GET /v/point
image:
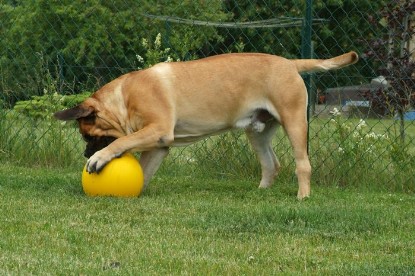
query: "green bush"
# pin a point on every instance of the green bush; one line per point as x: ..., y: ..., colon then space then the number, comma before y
x: 42, y: 107
x: 361, y: 153
x: 89, y: 43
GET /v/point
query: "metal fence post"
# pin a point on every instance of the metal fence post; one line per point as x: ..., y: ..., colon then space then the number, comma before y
x: 307, y: 52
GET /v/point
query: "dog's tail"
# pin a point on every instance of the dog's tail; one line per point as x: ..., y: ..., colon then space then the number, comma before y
x: 313, y: 65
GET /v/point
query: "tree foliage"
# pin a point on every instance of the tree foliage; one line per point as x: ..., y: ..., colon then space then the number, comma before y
x: 284, y: 40
x: 87, y: 43
x: 398, y: 65
x: 347, y: 28
x: 84, y: 44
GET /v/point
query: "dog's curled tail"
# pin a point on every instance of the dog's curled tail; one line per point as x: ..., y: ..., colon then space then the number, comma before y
x: 313, y: 65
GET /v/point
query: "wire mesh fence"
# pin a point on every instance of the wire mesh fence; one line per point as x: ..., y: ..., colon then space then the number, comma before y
x: 53, y: 54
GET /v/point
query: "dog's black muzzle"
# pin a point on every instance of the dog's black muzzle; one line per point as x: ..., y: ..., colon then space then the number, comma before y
x: 96, y: 143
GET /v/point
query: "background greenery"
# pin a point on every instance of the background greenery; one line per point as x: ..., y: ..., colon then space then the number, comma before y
x: 84, y: 44
x: 202, y: 213
x: 71, y: 48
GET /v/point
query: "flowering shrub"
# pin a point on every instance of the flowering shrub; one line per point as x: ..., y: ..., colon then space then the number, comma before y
x: 155, y: 53
x: 356, y: 141
x: 353, y: 152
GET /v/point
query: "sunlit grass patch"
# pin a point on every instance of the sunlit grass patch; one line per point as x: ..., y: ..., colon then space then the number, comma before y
x: 183, y: 225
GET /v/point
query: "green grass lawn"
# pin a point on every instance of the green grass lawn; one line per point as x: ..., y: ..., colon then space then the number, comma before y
x: 193, y: 226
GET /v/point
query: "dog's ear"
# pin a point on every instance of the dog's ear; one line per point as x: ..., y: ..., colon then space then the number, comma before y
x: 74, y: 113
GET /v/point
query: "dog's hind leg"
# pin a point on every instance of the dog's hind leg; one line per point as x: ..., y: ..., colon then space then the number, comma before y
x: 150, y: 161
x: 261, y: 143
x: 297, y: 133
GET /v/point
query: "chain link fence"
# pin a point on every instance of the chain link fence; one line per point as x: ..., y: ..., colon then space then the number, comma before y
x: 53, y: 54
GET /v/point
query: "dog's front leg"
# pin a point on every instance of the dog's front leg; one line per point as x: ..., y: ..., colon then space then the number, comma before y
x: 150, y: 162
x: 149, y: 138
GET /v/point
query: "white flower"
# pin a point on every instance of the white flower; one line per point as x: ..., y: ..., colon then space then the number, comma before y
x: 157, y: 42
x: 372, y: 135
x: 335, y: 112
x: 190, y: 160
x: 169, y: 59
x: 144, y: 42
x: 140, y: 58
x: 361, y: 124
x: 346, y: 127
x: 340, y: 149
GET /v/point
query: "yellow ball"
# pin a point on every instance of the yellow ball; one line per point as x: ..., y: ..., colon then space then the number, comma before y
x: 122, y: 177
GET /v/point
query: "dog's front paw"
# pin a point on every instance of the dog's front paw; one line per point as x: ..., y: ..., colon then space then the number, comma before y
x: 97, y: 162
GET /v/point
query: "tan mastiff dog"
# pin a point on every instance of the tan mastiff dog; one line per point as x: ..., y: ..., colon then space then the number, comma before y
x: 178, y: 103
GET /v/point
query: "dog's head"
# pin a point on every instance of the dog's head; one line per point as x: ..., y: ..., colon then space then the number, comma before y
x: 97, y: 127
